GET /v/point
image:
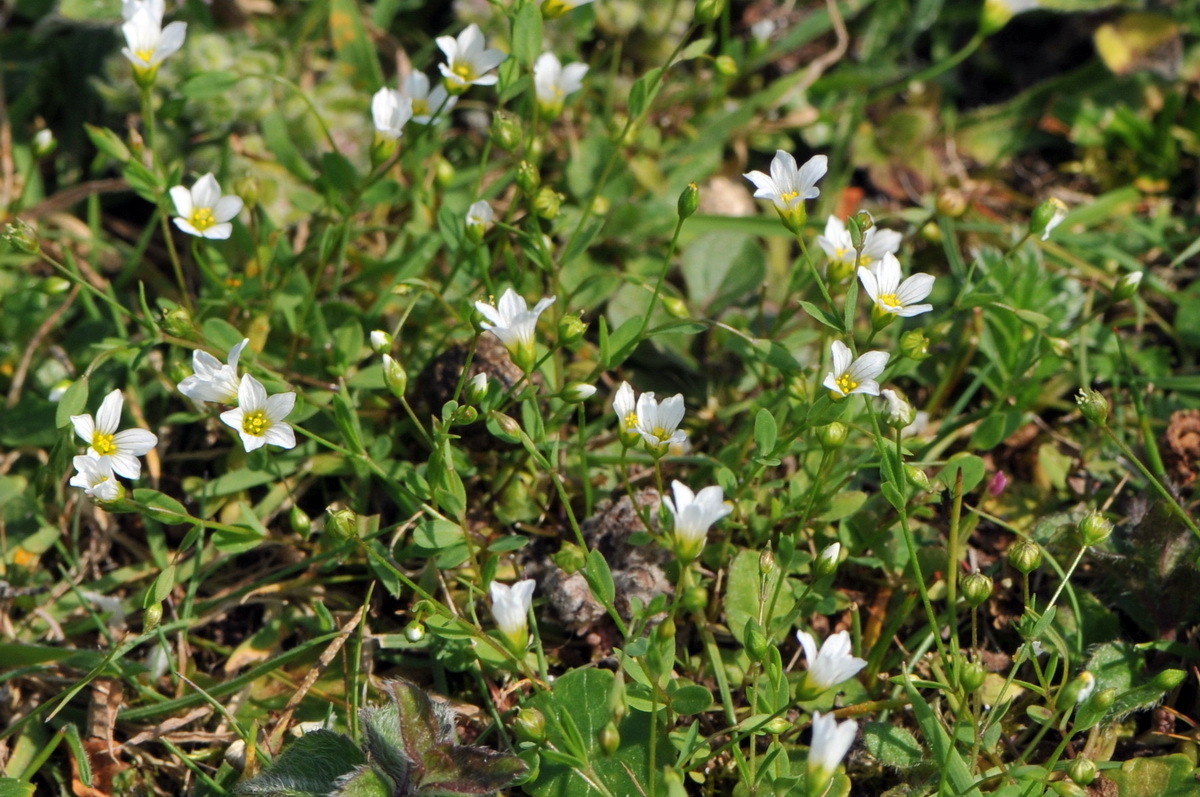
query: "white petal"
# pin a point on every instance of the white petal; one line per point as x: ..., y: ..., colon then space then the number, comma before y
x: 810, y: 172
x: 186, y: 226
x: 252, y: 396
x: 126, y: 465
x: 915, y: 288
x: 449, y: 46
x: 108, y: 417
x: 280, y: 434
x: 869, y: 284
x: 227, y: 207
x: 218, y: 232
x: 85, y: 427
x: 869, y: 365
x: 206, y: 192
x: 182, y: 198
x: 280, y: 405
x: 764, y: 185
x: 235, y: 353
x: 841, y: 357
x: 135, y: 441
x: 171, y: 40
x: 252, y: 442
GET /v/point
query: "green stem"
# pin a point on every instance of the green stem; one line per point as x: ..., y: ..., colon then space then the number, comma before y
x: 1158, y: 486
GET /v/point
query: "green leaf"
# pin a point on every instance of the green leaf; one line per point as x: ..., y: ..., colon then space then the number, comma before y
x: 894, y: 496
x: 365, y: 782
x: 972, y: 468
x: 73, y: 402
x: 892, y: 745
x: 765, y: 432
x: 691, y: 699
x: 162, y: 508
x: 208, y: 85
x: 310, y: 766
x: 400, y: 732
x: 743, y: 595
x: 994, y: 430
x: 277, y: 133
x: 11, y: 787
x: 143, y: 181
x: 643, y: 91
x: 347, y: 422
x: 1162, y: 776
x: 695, y: 49
x: 599, y: 577
x: 353, y: 46
x: 453, y: 770
x: 527, y: 34
x: 623, y: 341
x: 108, y: 142
x: 954, y: 769
x: 338, y: 173
x: 160, y: 590
x: 844, y: 504
x: 824, y: 316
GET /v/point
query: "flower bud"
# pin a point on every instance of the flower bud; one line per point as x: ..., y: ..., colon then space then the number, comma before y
x: 464, y: 415
x: 708, y: 11
x: 505, y: 131
x: 856, y: 233
x: 44, y: 143
x: 777, y: 726
x: 1082, y: 771
x: 897, y: 412
x: 827, y: 562
x: 931, y: 232
x: 914, y: 345
x: 610, y: 738
x: 508, y: 425
x: 383, y: 149
x: 675, y: 306
x: 726, y: 65
x: 1126, y: 288
x: 1025, y: 556
x: 343, y: 524
x: 1077, y: 691
x: 1067, y: 788
x: 1094, y: 529
x: 1061, y: 347
x: 666, y: 630
x: 994, y: 16
x: 530, y: 725
x: 766, y: 561
x: 381, y: 341
x: 20, y: 236
x: 477, y: 388
x: 414, y: 632
x: 833, y: 435
x: 570, y: 558
x: 694, y: 599
x: 601, y: 206
x: 176, y: 321
x: 394, y: 376
x: 1046, y: 217
x: 570, y: 329
x: 299, y: 520
x: 152, y: 617
x: 547, y: 203
x: 951, y: 202
x: 689, y: 200
x: 443, y: 172
x: 576, y: 392
x: 528, y: 177
x: 1093, y: 406
x: 757, y: 644
x: 971, y: 676
x: 1105, y: 698
x: 976, y: 588
x: 918, y: 477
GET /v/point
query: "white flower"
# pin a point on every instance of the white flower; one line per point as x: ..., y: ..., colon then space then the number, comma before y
x: 514, y: 323
x: 576, y: 392
x: 467, y: 62
x: 203, y: 211
x: 788, y: 186
x: 882, y: 283
x: 854, y: 377
x: 381, y: 341
x: 426, y: 102
x: 1060, y: 213
x: 1088, y: 685
x: 694, y: 513
x: 96, y: 477
x: 556, y: 8
x: 658, y: 423
x: 148, y: 43
x: 510, y: 607
x: 211, y: 379
x: 119, y: 450
x: 831, y: 741
x: 477, y: 388
x: 827, y: 561
x: 390, y: 110
x: 258, y: 418
x: 896, y: 411
x: 828, y: 667
x: 480, y: 214
x: 840, y: 249
x: 553, y: 82
x: 130, y: 7
x: 625, y: 407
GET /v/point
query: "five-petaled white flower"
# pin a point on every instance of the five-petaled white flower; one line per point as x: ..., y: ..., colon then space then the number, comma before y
x: 427, y: 102
x: 467, y: 62
x: 96, y: 477
x: 858, y: 376
x: 625, y: 407
x: 831, y: 741
x: 213, y: 380
x: 148, y: 42
x: 120, y: 450
x: 891, y: 296
x: 510, y: 607
x: 556, y: 8
x: 694, y: 513
x: 828, y: 667
x: 788, y: 186
x: 258, y: 417
x: 480, y: 216
x: 390, y: 110
x: 840, y: 249
x: 658, y: 422
x: 553, y: 82
x: 514, y: 323
x: 203, y: 211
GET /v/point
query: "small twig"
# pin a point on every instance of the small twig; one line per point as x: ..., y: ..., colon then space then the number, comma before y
x: 18, y: 380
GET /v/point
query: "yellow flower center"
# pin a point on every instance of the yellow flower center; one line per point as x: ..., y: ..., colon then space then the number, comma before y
x: 660, y: 433
x: 555, y: 8
x: 630, y: 420
x: 202, y: 219
x: 842, y: 252
x: 144, y: 55
x: 789, y: 196
x: 846, y: 383
x: 464, y: 71
x: 421, y: 108
x: 256, y: 423
x: 103, y: 443
x: 865, y: 260
x: 888, y: 301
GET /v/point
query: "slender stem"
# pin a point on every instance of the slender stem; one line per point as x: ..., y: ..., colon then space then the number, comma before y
x: 1158, y: 486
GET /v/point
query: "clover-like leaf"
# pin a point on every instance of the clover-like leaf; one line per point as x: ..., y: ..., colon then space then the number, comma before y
x: 453, y: 770
x: 311, y: 765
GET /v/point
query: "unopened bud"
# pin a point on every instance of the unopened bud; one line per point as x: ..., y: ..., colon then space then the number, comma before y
x: 343, y: 524
x: 247, y: 187
x: 1068, y: 788
x: 570, y: 329
x: 666, y: 630
x: 971, y: 676
x: 726, y: 65
x: 152, y: 617
x: 443, y: 172
x: 833, y: 435
x: 299, y: 520
x: 508, y: 426
x: 1025, y: 556
x: 1061, y: 347
x: 44, y: 143
x: 976, y: 588
x: 931, y: 232
x: 951, y: 202
x: 477, y: 388
x: 394, y: 376
x: 610, y: 738
x: 757, y: 644
x: 689, y: 200
x: 1077, y: 691
x: 414, y: 632
x: 918, y: 477
x: 530, y: 725
x: 777, y: 726
x: 694, y: 599
x: 1046, y: 217
x: 528, y: 177
x: 505, y: 131
x: 464, y: 415
x: 381, y: 341
x: 1126, y: 288
x: 576, y: 392
x: 914, y: 345
x: 708, y: 11
x: 766, y: 561
x: 1093, y: 406
x: 20, y: 236
x: 1094, y: 529
x: 570, y: 558
x: 856, y: 233
x: 827, y: 562
x: 548, y: 203
x: 675, y: 306
x: 897, y: 412
x: 1082, y: 771
x: 176, y: 321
